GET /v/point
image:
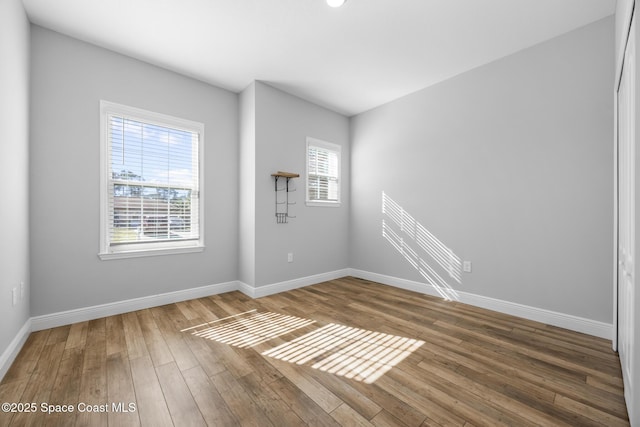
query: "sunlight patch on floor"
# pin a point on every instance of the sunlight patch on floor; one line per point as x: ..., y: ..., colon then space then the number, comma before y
x: 249, y: 328
x: 353, y: 353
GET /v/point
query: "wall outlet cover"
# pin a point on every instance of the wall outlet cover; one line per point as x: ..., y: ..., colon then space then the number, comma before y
x: 466, y: 266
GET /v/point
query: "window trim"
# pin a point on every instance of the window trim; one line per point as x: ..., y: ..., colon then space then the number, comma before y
x: 108, y: 252
x: 314, y: 142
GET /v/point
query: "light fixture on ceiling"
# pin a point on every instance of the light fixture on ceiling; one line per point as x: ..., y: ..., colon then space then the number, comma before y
x: 336, y: 3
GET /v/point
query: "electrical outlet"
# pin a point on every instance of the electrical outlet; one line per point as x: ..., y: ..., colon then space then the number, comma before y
x: 466, y: 266
x: 14, y: 294
x: 290, y: 257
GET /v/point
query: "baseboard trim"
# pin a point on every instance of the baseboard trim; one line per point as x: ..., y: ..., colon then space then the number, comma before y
x: 95, y: 312
x: 248, y: 290
x: 574, y: 323
x: 566, y: 321
x: 9, y: 355
x: 554, y: 318
x: 274, y: 288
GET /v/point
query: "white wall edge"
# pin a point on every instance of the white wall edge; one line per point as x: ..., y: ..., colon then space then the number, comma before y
x: 562, y: 320
x: 274, y: 288
x: 9, y: 355
x: 95, y: 312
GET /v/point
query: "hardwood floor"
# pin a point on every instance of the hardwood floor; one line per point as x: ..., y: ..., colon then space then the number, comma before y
x: 345, y: 352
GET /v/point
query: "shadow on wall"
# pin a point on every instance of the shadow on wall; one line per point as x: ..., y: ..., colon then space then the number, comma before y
x: 404, y: 233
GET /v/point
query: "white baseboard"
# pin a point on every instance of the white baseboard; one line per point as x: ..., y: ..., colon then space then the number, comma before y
x: 95, y: 312
x: 579, y: 324
x: 9, y: 355
x: 554, y: 318
x: 574, y: 323
x: 275, y: 288
x: 248, y: 290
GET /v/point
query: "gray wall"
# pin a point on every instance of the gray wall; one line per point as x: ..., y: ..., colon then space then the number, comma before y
x: 508, y: 165
x: 69, y: 78
x: 318, y: 236
x: 14, y: 168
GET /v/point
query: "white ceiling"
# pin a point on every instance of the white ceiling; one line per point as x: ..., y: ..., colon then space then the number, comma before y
x: 349, y: 59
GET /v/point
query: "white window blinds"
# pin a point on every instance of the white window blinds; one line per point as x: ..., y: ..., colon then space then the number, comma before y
x: 152, y: 183
x: 323, y: 172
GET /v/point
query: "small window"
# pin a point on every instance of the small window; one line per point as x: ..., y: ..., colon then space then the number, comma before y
x: 323, y: 173
x: 151, y: 200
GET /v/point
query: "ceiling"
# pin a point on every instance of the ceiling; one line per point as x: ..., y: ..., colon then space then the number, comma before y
x: 349, y: 59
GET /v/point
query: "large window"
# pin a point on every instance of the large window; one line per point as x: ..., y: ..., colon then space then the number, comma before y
x: 323, y: 173
x: 151, y: 183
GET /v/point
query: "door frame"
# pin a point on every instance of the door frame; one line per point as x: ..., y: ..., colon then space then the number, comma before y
x: 631, y: 378
x: 616, y: 195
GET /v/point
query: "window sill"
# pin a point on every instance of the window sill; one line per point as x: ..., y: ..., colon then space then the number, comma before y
x: 324, y: 204
x: 106, y: 256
